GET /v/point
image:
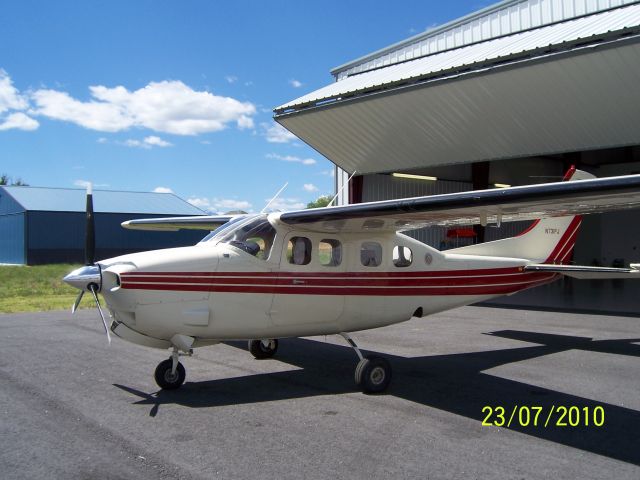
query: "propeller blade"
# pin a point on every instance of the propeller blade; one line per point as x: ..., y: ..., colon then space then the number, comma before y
x: 74, y: 307
x: 104, y: 322
x: 90, y: 236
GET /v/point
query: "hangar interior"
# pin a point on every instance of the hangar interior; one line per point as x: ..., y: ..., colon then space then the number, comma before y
x: 513, y: 94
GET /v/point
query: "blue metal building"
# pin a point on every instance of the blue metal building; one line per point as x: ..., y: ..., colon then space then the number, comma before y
x: 47, y: 225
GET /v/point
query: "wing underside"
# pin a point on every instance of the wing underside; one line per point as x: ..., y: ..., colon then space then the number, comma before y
x: 476, y: 207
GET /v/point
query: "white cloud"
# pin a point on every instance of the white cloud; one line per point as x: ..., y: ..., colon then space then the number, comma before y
x: 162, y: 190
x: 167, y: 106
x: 20, y: 121
x: 329, y: 173
x: 219, y: 205
x: 10, y: 98
x: 276, y: 133
x: 10, y: 101
x: 291, y: 158
x: 286, y: 204
x: 102, y: 140
x: 148, y: 142
x: 310, y: 187
x: 295, y: 83
x: 156, y: 141
x: 231, y: 78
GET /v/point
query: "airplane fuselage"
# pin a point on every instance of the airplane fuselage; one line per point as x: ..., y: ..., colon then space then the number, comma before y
x: 337, y: 283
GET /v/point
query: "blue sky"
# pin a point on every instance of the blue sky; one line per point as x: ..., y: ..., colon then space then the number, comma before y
x: 141, y: 95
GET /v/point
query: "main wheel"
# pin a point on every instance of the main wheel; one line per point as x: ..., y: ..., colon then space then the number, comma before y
x: 373, y: 374
x: 261, y: 349
x: 166, y: 379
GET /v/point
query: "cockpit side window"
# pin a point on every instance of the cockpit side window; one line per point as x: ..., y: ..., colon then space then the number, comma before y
x: 255, y: 238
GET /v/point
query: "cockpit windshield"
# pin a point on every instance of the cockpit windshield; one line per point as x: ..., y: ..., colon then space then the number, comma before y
x: 254, y: 236
x: 222, y: 228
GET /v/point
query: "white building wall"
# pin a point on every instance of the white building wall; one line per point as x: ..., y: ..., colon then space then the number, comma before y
x: 501, y: 19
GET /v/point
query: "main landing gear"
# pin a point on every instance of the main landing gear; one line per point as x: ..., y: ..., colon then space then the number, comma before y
x: 170, y: 373
x: 262, y: 349
x: 373, y: 373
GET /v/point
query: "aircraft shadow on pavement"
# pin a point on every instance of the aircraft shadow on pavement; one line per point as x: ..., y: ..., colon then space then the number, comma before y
x: 455, y: 383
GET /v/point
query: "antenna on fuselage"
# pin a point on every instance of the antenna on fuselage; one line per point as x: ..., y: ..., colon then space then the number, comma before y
x: 274, y: 197
x: 341, y: 188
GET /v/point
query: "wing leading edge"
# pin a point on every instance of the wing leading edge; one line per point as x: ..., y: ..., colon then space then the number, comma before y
x: 173, y: 224
x: 528, y: 202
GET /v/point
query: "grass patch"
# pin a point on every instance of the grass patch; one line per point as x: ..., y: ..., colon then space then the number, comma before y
x: 37, y: 288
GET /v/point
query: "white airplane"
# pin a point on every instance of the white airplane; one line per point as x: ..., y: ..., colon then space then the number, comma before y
x: 337, y: 270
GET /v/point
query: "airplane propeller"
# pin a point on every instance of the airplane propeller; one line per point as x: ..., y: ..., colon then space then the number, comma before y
x: 89, y: 277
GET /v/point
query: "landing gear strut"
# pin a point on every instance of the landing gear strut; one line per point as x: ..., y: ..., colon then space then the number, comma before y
x: 373, y: 373
x: 170, y: 373
x: 262, y: 349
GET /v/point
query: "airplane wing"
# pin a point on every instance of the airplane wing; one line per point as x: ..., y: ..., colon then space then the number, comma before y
x: 475, y: 207
x: 588, y: 273
x: 173, y: 224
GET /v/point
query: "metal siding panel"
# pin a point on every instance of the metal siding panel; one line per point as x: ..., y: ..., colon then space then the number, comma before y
x: 513, y: 17
x: 59, y: 237
x: 12, y: 245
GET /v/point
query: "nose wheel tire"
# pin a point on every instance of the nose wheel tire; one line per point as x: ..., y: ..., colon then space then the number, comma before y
x: 262, y: 349
x: 373, y: 374
x: 166, y: 379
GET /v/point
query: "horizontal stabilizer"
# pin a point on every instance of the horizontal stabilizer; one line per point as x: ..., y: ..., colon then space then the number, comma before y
x: 585, y: 272
x: 173, y: 224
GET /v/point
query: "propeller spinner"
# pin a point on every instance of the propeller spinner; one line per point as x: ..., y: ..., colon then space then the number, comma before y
x: 89, y: 277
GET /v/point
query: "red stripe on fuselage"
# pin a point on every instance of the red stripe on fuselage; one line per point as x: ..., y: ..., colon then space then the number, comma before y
x: 362, y: 291
x: 329, y: 274
x: 343, y: 282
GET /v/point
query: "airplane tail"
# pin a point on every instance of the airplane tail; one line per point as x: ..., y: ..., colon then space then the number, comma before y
x: 547, y: 241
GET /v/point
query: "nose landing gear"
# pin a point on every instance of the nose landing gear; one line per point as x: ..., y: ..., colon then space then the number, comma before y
x: 170, y: 373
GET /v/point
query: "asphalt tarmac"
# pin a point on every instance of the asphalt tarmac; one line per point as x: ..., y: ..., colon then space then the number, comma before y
x: 74, y: 407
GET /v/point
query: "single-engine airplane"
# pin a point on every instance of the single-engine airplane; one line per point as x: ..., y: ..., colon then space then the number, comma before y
x: 337, y: 270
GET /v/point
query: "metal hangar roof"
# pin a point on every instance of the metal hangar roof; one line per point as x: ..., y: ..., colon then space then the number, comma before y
x: 105, y: 201
x: 572, y: 85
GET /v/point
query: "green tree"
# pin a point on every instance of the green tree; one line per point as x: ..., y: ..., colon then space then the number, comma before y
x: 6, y: 180
x: 322, y: 201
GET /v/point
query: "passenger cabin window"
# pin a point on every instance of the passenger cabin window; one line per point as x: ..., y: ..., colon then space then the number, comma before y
x: 371, y: 254
x: 299, y: 251
x: 330, y: 252
x: 402, y: 256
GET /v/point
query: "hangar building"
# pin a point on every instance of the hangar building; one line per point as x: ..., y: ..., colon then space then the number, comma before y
x: 512, y: 94
x: 47, y: 225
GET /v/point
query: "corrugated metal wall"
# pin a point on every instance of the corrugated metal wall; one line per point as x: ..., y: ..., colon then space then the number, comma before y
x: 56, y: 237
x: 12, y: 238
x: 492, y: 22
x: 11, y: 230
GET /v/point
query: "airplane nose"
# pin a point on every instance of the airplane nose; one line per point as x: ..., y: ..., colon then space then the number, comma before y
x: 85, y: 277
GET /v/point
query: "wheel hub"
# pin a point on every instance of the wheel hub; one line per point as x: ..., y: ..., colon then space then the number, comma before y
x: 377, y: 375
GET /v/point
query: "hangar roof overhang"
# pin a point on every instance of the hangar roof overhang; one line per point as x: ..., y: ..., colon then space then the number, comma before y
x: 570, y: 86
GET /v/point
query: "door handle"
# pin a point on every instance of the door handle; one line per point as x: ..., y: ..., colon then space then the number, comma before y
x: 298, y: 282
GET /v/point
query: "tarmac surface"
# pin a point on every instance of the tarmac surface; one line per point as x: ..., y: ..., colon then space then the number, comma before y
x: 74, y: 407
